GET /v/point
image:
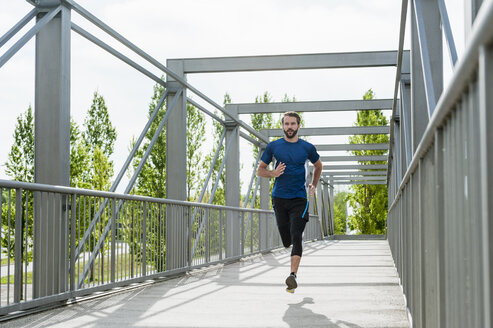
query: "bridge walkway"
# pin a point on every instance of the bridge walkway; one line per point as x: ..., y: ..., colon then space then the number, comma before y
x: 342, y: 283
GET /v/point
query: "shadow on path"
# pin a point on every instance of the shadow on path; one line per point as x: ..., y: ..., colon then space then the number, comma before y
x: 299, y: 316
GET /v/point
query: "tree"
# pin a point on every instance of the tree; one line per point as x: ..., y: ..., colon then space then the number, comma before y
x: 80, y: 161
x: 340, y: 213
x: 152, y: 179
x: 100, y: 136
x: 369, y: 201
x: 99, y: 130
x: 195, y: 139
x: 20, y: 167
x: 20, y: 162
x: 218, y: 129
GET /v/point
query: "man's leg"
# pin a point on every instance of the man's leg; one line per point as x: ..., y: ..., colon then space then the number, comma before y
x: 298, y: 215
x: 295, y: 263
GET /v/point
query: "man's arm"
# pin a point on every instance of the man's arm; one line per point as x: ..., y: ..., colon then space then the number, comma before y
x: 263, y: 172
x: 316, y: 176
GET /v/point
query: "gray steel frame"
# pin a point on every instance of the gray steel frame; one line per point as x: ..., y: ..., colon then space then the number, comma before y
x: 439, y: 220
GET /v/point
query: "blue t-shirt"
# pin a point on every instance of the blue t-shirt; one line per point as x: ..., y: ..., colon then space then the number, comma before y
x: 291, y: 183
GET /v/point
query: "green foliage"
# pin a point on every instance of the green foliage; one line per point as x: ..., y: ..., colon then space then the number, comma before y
x: 152, y: 179
x: 80, y: 161
x: 99, y: 132
x: 195, y: 140
x: 369, y: 201
x: 99, y: 136
x: 20, y: 162
x: 218, y: 128
x: 340, y: 213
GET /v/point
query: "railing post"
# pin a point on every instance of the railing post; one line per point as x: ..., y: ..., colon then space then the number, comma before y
x: 144, y: 240
x: 265, y: 205
x: 18, y: 247
x: 113, y: 239
x: 73, y: 231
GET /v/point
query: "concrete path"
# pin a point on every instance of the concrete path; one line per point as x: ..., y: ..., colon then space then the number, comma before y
x: 350, y: 283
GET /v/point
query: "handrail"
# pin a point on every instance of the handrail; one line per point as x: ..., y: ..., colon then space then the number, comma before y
x: 107, y: 194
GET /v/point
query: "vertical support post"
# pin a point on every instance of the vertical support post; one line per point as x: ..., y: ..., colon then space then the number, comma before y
x: 113, y: 239
x: 232, y: 187
x: 18, y: 246
x: 418, y: 110
x: 265, y: 205
x: 73, y: 232
x: 320, y: 210
x: 176, y: 170
x: 331, y: 181
x: 486, y: 163
x: 52, y: 144
x: 329, y: 227
x: 144, y: 240
x: 406, y: 119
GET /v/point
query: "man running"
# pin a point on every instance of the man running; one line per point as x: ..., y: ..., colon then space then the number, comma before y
x: 289, y: 198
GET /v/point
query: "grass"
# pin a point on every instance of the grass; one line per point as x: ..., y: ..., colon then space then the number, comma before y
x: 6, y: 261
x: 122, y: 270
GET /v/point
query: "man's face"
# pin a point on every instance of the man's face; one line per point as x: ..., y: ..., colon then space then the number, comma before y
x: 290, y: 127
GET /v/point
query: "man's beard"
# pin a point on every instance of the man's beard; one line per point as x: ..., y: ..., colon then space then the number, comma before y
x: 290, y: 133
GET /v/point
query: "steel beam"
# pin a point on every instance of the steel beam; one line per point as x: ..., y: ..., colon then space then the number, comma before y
x: 335, y: 147
x: 418, y: 110
x: 289, y: 62
x: 330, y: 131
x: 360, y: 182
x: 264, y: 204
x: 352, y: 158
x: 312, y: 106
x: 52, y: 147
x: 354, y: 173
x: 176, y: 171
x: 356, y: 167
x: 363, y: 178
x: 232, y: 187
x: 17, y: 27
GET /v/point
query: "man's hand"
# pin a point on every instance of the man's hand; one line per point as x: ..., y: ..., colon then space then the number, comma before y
x: 312, y: 189
x: 263, y: 172
x: 279, y: 170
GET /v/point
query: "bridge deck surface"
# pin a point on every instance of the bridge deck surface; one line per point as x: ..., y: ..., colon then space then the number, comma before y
x: 347, y: 283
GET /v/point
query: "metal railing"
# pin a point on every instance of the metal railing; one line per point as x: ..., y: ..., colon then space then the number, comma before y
x: 439, y: 220
x: 133, y: 250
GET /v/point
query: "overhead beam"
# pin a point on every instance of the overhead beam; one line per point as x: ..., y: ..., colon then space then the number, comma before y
x: 360, y: 183
x: 376, y: 178
x: 289, y: 62
x: 334, y: 147
x: 355, y: 167
x: 330, y: 131
x: 353, y: 158
x: 354, y: 173
x: 312, y: 106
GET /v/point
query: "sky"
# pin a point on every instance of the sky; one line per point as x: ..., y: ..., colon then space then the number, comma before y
x: 214, y: 28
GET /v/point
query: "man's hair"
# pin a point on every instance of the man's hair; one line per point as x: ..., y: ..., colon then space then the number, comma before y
x: 292, y: 114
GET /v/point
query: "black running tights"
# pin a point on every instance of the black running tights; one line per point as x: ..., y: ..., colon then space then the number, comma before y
x: 292, y: 216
